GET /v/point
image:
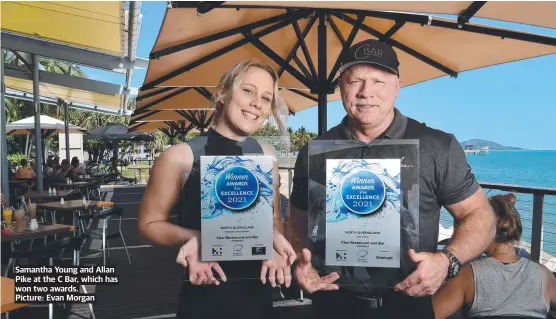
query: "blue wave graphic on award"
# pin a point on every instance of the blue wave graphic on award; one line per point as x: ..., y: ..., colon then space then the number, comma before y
x: 360, y: 188
x: 236, y: 207
x: 363, y: 212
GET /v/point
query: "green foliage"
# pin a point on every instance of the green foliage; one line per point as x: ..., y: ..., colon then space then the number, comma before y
x: 267, y: 130
x: 14, y: 159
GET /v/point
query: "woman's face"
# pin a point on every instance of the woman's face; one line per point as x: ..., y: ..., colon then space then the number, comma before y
x: 251, y: 103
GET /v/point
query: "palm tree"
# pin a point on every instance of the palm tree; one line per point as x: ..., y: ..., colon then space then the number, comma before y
x: 60, y: 67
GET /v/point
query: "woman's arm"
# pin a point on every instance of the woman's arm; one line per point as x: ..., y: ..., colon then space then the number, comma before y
x: 454, y: 294
x: 550, y: 284
x: 168, y: 175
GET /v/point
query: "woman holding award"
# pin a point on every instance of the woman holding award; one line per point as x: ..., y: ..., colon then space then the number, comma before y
x: 220, y: 273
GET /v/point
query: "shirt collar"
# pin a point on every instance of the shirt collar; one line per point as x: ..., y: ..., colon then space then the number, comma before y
x: 396, y: 129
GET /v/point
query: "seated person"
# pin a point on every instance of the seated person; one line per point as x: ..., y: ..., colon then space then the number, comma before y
x: 503, y: 283
x: 25, y: 171
x: 76, y: 168
x: 60, y: 172
x: 48, y: 167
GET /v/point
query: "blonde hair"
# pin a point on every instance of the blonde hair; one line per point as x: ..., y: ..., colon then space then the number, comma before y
x: 231, y: 80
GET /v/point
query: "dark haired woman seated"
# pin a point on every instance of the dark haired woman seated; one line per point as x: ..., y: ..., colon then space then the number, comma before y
x: 502, y: 284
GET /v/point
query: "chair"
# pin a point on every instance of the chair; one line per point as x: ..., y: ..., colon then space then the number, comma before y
x: 49, y: 251
x: 74, y: 243
x: 105, y: 214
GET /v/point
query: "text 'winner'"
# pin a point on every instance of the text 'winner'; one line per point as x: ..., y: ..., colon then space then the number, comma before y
x: 55, y: 284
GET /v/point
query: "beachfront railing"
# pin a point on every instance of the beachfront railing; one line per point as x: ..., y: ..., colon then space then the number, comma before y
x: 536, y: 205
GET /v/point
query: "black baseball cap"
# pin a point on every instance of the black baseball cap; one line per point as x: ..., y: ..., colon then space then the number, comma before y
x: 371, y: 52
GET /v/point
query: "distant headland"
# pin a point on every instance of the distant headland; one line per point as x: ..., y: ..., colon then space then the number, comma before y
x: 479, y: 143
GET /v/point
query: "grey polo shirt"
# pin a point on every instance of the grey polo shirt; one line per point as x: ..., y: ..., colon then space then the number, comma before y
x: 444, y: 177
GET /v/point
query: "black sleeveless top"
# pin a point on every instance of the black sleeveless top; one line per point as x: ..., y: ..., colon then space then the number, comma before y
x: 188, y: 207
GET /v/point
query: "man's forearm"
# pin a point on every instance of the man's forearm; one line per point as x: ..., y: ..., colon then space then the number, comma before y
x: 472, y: 235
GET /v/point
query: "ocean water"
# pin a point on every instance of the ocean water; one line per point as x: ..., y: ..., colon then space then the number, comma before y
x: 524, y: 168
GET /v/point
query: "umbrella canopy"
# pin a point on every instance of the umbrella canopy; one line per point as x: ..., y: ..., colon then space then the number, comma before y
x: 48, y: 124
x: 539, y: 13
x: 117, y: 132
x: 304, y: 44
x: 172, y: 129
x: 198, y: 118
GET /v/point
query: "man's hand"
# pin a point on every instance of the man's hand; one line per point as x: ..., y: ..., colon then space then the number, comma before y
x: 277, y: 267
x: 432, y: 270
x: 309, y: 279
x: 200, y: 273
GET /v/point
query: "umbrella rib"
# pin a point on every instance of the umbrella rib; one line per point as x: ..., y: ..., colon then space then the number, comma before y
x: 468, y: 13
x: 293, y: 52
x: 220, y: 35
x: 167, y: 97
x: 189, y: 117
x: 206, y: 6
x: 428, y: 20
x: 304, y: 49
x: 146, y: 115
x: 172, y: 124
x: 204, y: 93
x: 278, y: 60
x: 400, y: 46
x: 162, y: 90
x: 305, y: 95
x: 212, y: 56
x: 534, y: 38
x: 395, y: 28
x: 335, y: 29
x: 346, y: 45
x: 209, y: 120
x: 302, y: 67
x: 136, y: 127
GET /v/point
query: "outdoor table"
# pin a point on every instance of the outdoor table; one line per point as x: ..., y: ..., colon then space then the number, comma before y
x: 42, y: 231
x: 73, y: 206
x: 44, y: 195
x: 8, y: 296
x: 76, y: 185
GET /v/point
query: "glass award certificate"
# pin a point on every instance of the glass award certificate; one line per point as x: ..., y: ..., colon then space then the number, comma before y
x: 236, y: 208
x: 363, y: 212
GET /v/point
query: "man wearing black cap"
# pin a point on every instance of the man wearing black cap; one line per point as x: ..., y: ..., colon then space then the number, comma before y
x: 369, y: 85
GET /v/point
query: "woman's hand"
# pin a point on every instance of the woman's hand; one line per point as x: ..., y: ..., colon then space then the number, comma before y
x: 277, y: 267
x: 200, y: 273
x: 283, y: 247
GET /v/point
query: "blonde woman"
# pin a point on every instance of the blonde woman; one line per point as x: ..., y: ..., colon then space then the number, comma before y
x: 246, y: 96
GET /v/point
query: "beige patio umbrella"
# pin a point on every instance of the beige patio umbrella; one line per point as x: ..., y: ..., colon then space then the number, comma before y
x: 48, y: 126
x: 303, y: 45
x: 172, y: 123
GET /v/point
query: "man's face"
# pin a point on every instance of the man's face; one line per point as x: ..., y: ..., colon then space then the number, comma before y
x: 368, y: 93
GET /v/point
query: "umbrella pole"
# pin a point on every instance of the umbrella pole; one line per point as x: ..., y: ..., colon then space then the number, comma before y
x: 66, y: 129
x: 3, y: 137
x: 38, y: 143
x: 323, y: 81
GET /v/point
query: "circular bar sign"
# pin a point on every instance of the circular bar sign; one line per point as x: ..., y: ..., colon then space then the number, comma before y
x: 363, y: 192
x: 237, y: 188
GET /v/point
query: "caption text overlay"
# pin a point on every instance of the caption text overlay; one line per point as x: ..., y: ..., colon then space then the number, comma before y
x: 55, y: 284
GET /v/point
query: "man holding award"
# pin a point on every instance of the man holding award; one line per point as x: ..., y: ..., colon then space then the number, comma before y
x: 368, y: 193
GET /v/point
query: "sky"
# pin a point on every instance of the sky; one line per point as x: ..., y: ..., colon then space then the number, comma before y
x: 513, y: 104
